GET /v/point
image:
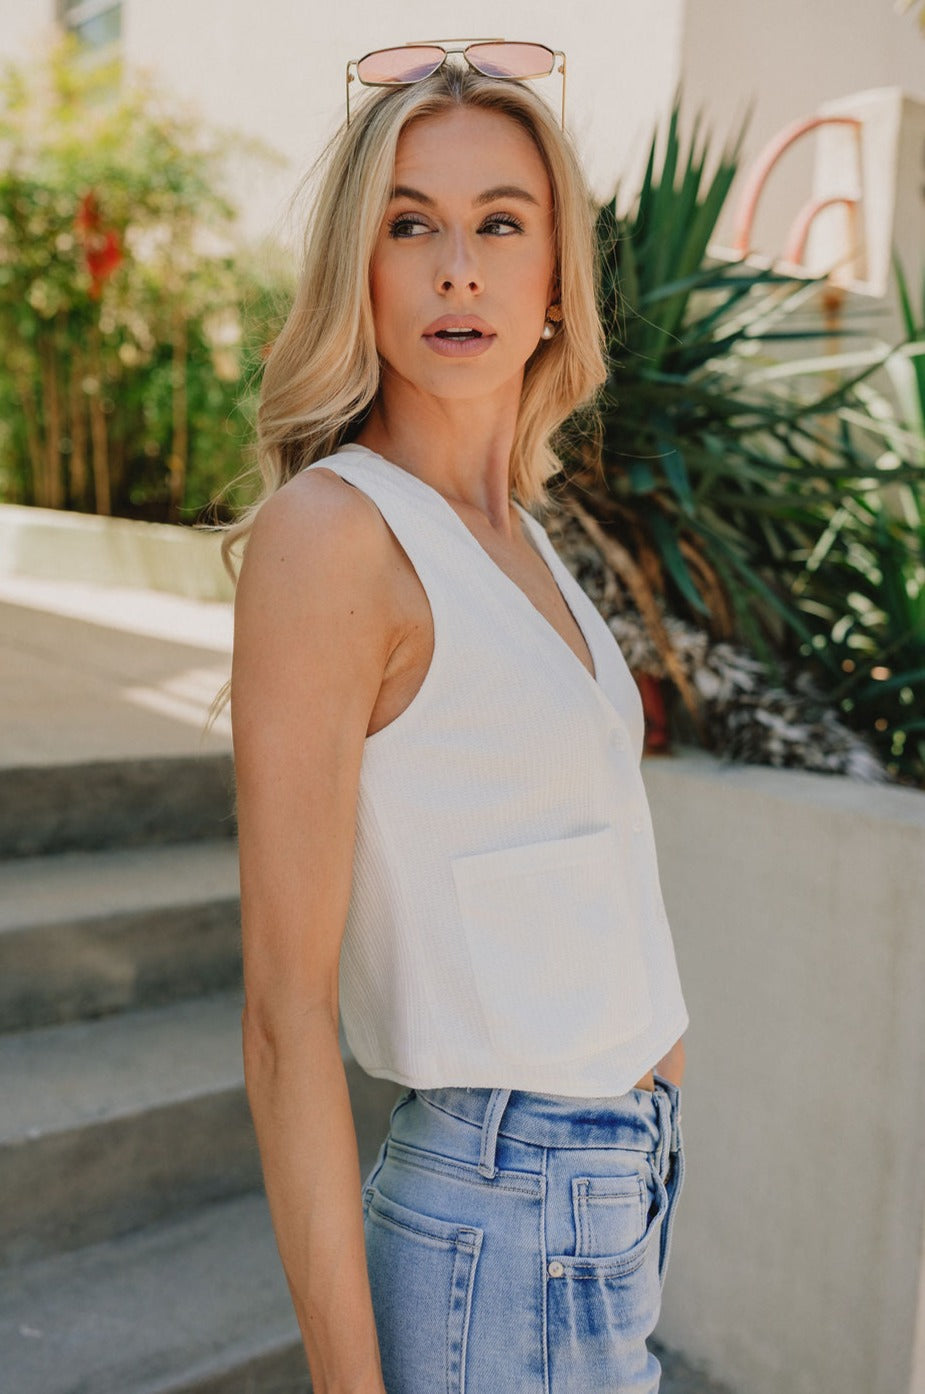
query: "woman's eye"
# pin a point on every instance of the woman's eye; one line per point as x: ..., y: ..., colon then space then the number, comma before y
x: 505, y: 223
x: 413, y: 225
x: 405, y: 225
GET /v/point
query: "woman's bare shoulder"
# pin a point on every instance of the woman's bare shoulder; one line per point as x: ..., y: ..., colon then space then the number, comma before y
x: 316, y: 530
x: 318, y: 503
x: 315, y: 613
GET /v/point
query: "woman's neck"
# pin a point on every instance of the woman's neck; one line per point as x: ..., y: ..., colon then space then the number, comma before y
x: 459, y: 448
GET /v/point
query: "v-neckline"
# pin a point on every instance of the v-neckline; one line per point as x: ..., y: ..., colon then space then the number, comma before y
x: 552, y: 562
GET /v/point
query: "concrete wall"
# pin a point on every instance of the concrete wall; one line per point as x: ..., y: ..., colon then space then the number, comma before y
x: 45, y: 545
x: 796, y: 903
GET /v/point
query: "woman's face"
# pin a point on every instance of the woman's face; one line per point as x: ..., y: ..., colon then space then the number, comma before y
x: 467, y: 243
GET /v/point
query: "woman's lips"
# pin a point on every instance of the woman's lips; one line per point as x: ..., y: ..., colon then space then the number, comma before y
x: 460, y: 347
x: 473, y: 336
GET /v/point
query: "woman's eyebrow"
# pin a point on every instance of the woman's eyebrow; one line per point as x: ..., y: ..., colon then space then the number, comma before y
x: 489, y: 196
x: 506, y: 191
x: 405, y: 191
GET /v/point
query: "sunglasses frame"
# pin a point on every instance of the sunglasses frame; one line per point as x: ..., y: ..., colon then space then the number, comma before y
x: 461, y: 46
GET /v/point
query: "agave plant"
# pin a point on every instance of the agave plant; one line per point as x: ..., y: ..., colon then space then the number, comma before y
x: 869, y: 606
x: 720, y: 465
x: 907, y: 367
x: 866, y: 578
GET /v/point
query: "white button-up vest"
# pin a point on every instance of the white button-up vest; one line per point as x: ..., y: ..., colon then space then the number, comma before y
x: 506, y: 926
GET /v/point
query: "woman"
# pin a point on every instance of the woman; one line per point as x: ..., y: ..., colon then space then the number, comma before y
x: 444, y: 835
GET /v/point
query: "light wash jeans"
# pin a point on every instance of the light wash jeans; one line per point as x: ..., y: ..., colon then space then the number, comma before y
x: 517, y: 1243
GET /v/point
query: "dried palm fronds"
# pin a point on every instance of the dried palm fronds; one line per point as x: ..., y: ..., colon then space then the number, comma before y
x: 736, y: 707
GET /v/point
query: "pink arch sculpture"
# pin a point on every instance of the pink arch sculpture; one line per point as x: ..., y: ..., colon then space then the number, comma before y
x: 748, y: 203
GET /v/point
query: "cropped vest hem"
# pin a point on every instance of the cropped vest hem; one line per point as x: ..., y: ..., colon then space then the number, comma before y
x: 605, y: 1084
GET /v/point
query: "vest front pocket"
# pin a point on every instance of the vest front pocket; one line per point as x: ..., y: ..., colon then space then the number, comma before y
x: 554, y: 935
x: 421, y: 1274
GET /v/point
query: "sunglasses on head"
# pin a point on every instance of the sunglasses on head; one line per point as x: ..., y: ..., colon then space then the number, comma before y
x: 409, y: 63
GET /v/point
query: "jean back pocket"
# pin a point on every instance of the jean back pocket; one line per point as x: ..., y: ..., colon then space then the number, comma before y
x: 421, y: 1274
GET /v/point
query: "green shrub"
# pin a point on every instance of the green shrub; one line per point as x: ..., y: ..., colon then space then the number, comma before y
x: 131, y: 319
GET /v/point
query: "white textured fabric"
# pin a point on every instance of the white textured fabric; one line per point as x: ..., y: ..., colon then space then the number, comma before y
x: 506, y: 926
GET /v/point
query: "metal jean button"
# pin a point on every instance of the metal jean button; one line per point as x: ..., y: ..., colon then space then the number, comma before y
x: 555, y: 1269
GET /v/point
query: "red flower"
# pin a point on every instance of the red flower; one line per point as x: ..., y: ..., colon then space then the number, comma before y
x: 102, y: 248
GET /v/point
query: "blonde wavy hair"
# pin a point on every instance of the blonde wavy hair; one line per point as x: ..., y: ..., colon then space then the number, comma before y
x: 322, y: 372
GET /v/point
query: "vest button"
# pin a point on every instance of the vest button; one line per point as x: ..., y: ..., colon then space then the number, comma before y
x: 555, y: 1269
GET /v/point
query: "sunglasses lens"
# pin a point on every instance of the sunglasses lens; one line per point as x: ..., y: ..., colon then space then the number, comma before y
x: 397, y: 66
x: 511, y: 60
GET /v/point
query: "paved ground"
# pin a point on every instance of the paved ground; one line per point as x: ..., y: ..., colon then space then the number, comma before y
x: 104, y: 674
x: 91, y: 673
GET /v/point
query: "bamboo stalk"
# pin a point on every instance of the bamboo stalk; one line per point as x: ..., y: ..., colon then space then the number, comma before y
x: 180, y: 437
x: 77, y: 413
x: 43, y: 490
x: 51, y: 403
x: 33, y: 427
x: 99, y: 444
x: 117, y: 460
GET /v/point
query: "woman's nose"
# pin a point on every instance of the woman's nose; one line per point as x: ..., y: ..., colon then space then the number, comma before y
x: 458, y: 266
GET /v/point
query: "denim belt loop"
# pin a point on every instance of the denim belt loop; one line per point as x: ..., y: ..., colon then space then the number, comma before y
x: 665, y: 1145
x: 497, y: 1103
x: 676, y: 1126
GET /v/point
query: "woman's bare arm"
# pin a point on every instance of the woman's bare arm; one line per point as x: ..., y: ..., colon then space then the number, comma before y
x: 313, y: 634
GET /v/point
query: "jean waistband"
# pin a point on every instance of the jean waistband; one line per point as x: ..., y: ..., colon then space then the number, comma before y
x: 641, y: 1120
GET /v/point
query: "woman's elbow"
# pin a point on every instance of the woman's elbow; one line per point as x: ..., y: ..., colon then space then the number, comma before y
x: 268, y: 1033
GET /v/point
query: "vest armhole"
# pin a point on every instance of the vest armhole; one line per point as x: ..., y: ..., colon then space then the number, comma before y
x: 388, y: 515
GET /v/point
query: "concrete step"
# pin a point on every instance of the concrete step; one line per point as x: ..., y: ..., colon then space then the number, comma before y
x: 115, y: 803
x: 110, y: 1125
x: 87, y: 933
x: 193, y: 1305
